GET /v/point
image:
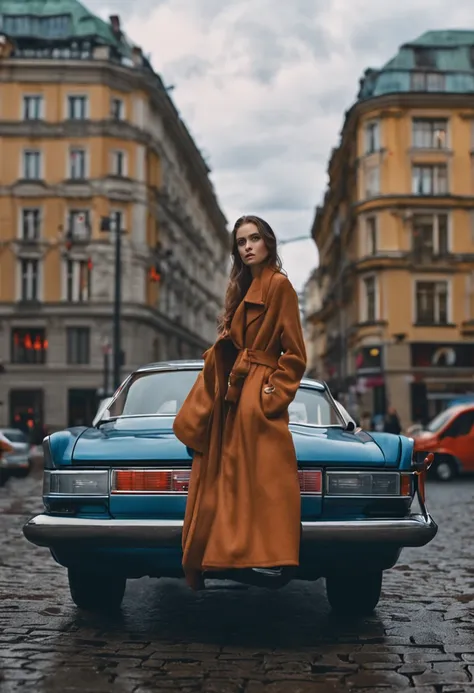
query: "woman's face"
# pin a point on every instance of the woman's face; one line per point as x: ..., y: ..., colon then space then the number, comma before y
x: 251, y: 246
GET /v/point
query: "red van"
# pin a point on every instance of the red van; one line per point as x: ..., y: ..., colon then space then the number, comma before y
x: 450, y: 435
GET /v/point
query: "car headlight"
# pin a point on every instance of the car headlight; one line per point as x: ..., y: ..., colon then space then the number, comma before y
x: 363, y: 484
x: 76, y: 483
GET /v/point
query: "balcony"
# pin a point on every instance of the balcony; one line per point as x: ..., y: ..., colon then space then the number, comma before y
x: 427, y: 258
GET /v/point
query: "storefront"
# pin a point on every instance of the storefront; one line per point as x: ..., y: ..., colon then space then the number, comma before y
x: 441, y: 374
x: 371, y: 386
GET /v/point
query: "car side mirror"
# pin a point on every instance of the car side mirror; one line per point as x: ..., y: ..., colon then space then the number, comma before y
x: 422, y: 465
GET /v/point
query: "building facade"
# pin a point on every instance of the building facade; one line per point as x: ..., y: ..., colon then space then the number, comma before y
x: 394, y: 321
x: 91, y: 145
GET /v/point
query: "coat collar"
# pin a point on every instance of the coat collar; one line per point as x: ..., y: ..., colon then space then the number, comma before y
x: 256, y: 297
x: 258, y: 290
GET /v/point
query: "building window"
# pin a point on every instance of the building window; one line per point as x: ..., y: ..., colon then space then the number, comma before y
x: 77, y: 107
x: 78, y: 280
x: 430, y: 236
x: 77, y: 164
x: 30, y: 224
x: 57, y: 26
x: 371, y: 235
x: 119, y: 163
x: 32, y: 164
x: 26, y: 412
x: 370, y: 297
x: 79, y: 227
x: 78, y: 345
x: 430, y: 179
x: 427, y: 81
x: 32, y: 107
x: 425, y: 57
x: 372, y: 181
x: 29, y: 276
x: 117, y: 109
x: 432, y: 303
x: 29, y: 345
x: 430, y: 133
x: 372, y: 137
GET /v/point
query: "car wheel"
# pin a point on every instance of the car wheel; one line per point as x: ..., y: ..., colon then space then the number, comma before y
x: 354, y: 595
x: 96, y: 592
x: 444, y: 469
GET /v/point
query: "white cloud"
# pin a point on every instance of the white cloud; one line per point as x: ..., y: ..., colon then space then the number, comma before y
x: 263, y: 86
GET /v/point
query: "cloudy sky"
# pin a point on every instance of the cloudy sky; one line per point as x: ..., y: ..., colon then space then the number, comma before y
x: 263, y: 85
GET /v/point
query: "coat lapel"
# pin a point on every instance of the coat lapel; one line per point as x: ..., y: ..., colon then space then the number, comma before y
x: 256, y: 296
x: 252, y: 307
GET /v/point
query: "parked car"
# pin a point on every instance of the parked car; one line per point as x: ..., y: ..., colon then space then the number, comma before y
x: 115, y: 494
x: 450, y: 436
x: 16, y: 460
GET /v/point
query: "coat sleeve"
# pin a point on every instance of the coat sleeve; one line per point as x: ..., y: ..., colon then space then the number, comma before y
x: 192, y: 420
x: 285, y: 380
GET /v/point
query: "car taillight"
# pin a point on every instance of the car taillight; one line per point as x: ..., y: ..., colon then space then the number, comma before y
x: 150, y: 481
x: 406, y: 484
x: 311, y: 481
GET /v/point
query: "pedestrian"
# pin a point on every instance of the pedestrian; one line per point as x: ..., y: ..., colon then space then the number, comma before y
x: 365, y: 421
x: 243, y: 506
x: 392, y: 422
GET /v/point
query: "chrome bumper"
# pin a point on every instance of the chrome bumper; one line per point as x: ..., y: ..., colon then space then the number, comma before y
x: 51, y: 531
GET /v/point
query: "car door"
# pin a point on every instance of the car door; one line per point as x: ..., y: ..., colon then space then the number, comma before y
x: 458, y: 439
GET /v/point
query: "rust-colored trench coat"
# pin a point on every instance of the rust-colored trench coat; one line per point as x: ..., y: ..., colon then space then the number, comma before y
x: 243, y: 507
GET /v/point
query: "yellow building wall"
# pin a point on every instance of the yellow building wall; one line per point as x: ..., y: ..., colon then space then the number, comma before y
x: 55, y: 98
x: 397, y: 158
x: 55, y: 162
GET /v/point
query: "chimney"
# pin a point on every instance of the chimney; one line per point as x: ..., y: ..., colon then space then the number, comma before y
x: 114, y: 20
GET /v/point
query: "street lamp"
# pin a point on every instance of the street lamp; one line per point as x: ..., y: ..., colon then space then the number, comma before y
x: 105, y: 225
x: 284, y: 241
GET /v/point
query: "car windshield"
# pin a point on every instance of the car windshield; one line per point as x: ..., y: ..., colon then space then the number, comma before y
x: 161, y: 393
x: 14, y: 435
x: 442, y: 418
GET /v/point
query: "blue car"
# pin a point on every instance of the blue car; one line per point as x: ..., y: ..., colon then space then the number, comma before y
x: 115, y: 495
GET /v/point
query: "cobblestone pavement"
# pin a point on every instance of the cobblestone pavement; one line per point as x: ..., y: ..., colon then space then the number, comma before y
x: 239, y: 639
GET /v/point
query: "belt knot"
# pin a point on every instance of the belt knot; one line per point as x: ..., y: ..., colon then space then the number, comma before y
x: 241, y: 369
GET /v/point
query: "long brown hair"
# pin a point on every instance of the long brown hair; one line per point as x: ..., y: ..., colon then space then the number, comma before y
x: 240, y: 275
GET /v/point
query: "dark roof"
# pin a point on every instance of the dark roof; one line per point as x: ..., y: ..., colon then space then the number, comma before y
x: 52, y: 20
x: 448, y: 53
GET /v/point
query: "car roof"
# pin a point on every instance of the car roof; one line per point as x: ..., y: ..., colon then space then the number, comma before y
x: 197, y: 364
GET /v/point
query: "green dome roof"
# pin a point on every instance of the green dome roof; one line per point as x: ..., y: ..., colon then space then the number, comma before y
x: 437, y: 61
x: 57, y: 20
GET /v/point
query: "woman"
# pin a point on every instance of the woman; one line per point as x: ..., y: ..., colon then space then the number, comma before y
x: 243, y: 508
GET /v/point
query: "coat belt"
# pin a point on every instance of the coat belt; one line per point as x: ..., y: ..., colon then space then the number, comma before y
x: 241, y: 368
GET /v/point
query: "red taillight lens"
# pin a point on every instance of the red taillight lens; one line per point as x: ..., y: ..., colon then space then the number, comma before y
x: 311, y: 480
x: 150, y: 481
x: 406, y: 484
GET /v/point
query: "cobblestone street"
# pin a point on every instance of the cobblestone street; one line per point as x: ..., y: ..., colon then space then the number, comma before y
x: 239, y: 639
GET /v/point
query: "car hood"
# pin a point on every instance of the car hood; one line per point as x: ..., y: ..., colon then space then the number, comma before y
x: 151, y: 440
x: 425, y: 439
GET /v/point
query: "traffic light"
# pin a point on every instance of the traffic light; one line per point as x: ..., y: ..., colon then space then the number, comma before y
x: 155, y: 273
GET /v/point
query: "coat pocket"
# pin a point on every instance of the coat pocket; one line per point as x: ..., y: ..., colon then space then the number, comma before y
x: 269, y: 400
